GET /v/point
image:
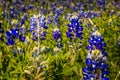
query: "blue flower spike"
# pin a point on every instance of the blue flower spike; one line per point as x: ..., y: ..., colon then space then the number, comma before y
x: 57, y: 37
x: 56, y: 34
x: 38, y: 27
x: 74, y: 28
x: 96, y: 60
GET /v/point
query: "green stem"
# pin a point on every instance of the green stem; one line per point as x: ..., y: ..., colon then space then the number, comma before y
x: 117, y: 75
x: 91, y: 22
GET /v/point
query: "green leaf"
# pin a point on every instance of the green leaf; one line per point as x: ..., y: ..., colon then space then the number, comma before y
x: 67, y: 71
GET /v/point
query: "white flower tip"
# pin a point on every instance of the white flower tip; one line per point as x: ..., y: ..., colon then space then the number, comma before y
x: 56, y: 29
x: 96, y: 33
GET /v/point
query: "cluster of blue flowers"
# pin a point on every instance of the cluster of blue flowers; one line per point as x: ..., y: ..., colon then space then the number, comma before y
x: 57, y: 37
x: 56, y: 34
x: 97, y: 55
x: 57, y: 14
x: 50, y: 19
x: 101, y: 3
x: 88, y: 14
x: 74, y: 28
x: 96, y: 60
x: 12, y: 35
x: 96, y: 42
x: 14, y: 8
x: 38, y: 26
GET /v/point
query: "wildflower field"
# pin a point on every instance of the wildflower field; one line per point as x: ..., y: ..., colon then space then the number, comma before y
x: 59, y: 39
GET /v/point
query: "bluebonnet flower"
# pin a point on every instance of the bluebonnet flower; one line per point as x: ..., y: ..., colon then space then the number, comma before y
x: 35, y: 37
x: 91, y: 7
x: 23, y: 8
x: 57, y: 12
x: 53, y: 6
x: 22, y: 38
x: 57, y: 37
x: 96, y: 60
x: 74, y: 28
x: 33, y: 23
x: 38, y: 27
x: 12, y: 35
x: 96, y: 41
x: 50, y: 19
x: 56, y: 19
x: 101, y: 3
x: 43, y: 35
x: 74, y: 7
x: 88, y: 14
x: 42, y: 22
x: 56, y: 34
x: 10, y: 41
x: 13, y: 12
